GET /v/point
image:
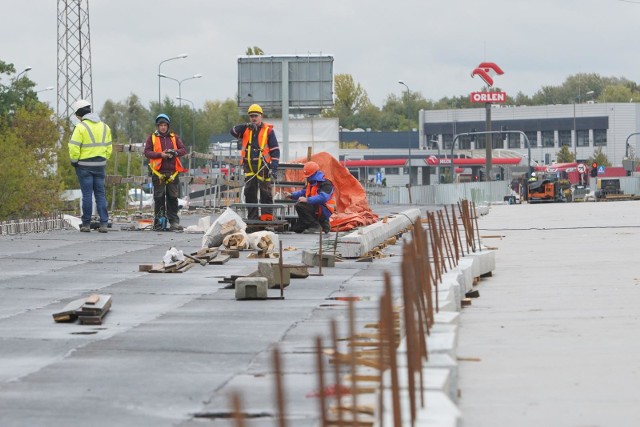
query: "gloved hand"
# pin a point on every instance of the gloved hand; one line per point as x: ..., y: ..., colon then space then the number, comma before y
x: 252, y: 126
x: 274, y: 174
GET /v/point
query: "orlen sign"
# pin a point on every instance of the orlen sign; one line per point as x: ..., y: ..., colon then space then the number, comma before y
x: 488, y: 96
x: 486, y: 71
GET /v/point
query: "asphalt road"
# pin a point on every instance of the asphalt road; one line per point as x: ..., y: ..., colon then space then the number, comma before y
x: 553, y: 338
x: 174, y: 346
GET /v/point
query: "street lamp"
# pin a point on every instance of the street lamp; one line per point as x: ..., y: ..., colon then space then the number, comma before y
x: 179, y: 97
x: 575, y: 129
x: 181, y: 56
x: 45, y: 89
x: 437, y: 144
x: 22, y: 72
x: 193, y: 126
x: 408, y: 121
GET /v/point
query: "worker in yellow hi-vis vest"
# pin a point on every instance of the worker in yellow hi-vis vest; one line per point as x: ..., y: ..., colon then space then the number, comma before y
x: 89, y: 149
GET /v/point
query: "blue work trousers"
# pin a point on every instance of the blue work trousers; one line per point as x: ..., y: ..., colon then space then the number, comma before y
x: 91, y: 181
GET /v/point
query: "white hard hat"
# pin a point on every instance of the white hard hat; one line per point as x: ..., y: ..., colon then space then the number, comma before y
x: 533, y: 174
x: 80, y: 103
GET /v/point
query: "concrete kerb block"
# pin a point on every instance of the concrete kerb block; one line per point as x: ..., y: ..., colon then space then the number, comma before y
x: 451, y: 283
x: 251, y: 288
x: 484, y: 262
x: 434, y: 379
x: 365, y: 239
x: 439, y: 410
x: 271, y: 271
x: 441, y: 361
x: 465, y: 267
x: 447, y: 317
x: 313, y: 259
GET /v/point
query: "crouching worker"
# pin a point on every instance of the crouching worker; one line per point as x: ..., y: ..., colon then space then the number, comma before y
x: 315, y: 203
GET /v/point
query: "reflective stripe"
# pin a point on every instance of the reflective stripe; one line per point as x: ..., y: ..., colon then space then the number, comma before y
x: 93, y: 138
x: 79, y: 144
x: 83, y: 163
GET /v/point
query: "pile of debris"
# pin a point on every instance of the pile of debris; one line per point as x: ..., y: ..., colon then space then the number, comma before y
x: 176, y: 261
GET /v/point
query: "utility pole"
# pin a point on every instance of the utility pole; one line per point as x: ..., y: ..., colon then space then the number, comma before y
x: 74, y: 55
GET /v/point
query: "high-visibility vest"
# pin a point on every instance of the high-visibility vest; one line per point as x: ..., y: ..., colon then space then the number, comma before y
x: 263, y: 146
x: 312, y: 190
x: 157, y: 147
x: 90, y: 139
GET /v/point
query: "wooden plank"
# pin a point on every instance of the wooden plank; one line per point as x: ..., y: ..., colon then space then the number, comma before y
x: 220, y: 259
x: 94, y: 309
x: 68, y: 313
x: 233, y: 253
x: 93, y: 299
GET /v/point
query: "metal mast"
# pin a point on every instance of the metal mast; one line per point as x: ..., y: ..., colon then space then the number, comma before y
x: 74, y: 54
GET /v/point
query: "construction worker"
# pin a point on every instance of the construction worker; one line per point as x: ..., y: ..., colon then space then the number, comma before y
x: 164, y: 149
x: 260, y: 155
x: 89, y: 149
x: 315, y: 203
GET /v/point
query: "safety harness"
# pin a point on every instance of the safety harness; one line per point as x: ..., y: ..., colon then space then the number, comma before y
x: 265, y: 157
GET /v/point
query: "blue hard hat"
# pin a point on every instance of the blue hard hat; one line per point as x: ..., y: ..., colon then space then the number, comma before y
x: 163, y: 118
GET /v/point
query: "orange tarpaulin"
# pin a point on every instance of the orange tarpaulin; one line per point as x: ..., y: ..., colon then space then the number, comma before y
x: 353, y: 208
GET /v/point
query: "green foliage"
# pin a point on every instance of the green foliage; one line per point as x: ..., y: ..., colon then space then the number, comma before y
x: 564, y: 155
x: 599, y: 157
x: 254, y: 51
x: 31, y: 184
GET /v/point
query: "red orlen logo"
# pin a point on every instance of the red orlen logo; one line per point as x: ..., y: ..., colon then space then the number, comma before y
x: 433, y: 160
x: 486, y: 71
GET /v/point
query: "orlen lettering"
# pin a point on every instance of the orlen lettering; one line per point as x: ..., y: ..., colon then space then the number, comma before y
x: 488, y: 97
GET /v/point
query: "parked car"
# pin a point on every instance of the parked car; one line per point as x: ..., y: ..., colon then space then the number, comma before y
x: 135, y: 195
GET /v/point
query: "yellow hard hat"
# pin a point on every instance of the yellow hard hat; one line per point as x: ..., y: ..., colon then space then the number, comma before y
x: 255, y: 108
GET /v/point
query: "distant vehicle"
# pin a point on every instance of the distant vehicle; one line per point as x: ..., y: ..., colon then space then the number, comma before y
x: 135, y: 195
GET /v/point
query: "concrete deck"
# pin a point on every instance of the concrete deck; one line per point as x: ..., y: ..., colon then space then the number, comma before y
x: 555, y: 330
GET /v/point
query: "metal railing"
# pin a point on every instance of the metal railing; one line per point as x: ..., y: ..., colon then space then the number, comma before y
x: 33, y: 225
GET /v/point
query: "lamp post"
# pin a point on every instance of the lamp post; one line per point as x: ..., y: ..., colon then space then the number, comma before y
x: 21, y: 73
x: 575, y: 129
x: 179, y: 97
x: 437, y: 144
x: 408, y: 122
x: 181, y: 56
x: 45, y: 89
x: 193, y: 127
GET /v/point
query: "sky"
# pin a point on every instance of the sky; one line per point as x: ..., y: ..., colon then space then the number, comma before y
x: 432, y: 46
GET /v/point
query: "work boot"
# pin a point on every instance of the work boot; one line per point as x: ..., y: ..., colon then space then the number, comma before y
x: 326, y: 227
x: 313, y: 229
x: 176, y: 227
x: 103, y: 229
x: 85, y: 228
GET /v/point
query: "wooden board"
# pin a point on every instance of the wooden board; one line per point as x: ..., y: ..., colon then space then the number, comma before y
x: 68, y: 313
x: 220, y: 259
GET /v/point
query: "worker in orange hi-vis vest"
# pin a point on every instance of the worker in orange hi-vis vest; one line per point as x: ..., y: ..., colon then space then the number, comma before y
x: 164, y: 149
x: 260, y: 156
x: 315, y: 203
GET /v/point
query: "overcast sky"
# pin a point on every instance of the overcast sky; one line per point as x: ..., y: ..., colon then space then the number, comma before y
x: 431, y: 45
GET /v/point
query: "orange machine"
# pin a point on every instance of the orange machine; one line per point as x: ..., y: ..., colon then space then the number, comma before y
x: 544, y: 190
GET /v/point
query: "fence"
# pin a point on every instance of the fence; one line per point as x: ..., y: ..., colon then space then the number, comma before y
x: 441, y: 194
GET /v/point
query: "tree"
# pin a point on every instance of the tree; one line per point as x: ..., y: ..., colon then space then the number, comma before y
x: 564, y: 155
x: 350, y: 99
x: 254, y: 51
x: 130, y: 121
x: 599, y: 157
x: 31, y: 183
